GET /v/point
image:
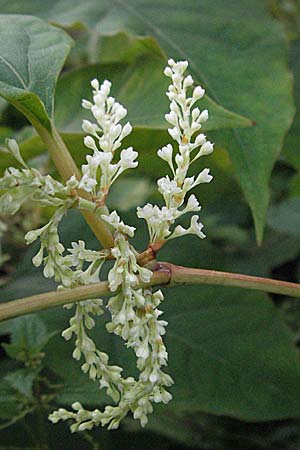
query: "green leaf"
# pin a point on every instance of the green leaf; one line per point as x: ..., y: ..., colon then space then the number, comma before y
x: 8, y: 404
x: 32, y: 54
x: 21, y: 381
x: 15, y: 389
x: 29, y: 336
x: 222, y: 342
x: 140, y: 87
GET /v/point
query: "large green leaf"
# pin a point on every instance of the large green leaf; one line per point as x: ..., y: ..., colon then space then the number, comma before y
x: 32, y: 54
x: 140, y: 86
x: 227, y: 46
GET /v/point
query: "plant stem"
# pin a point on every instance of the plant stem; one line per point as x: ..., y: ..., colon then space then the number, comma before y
x: 66, y: 167
x: 185, y: 275
x: 166, y: 274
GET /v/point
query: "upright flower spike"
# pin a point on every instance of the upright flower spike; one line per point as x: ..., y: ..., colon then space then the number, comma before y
x: 104, y: 138
x: 186, y: 120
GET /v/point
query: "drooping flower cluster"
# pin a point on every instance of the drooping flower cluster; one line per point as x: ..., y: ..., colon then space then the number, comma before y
x: 186, y: 120
x: 134, y: 312
x: 105, y: 137
x: 134, y: 317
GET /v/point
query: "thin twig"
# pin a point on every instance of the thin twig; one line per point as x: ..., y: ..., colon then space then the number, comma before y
x: 166, y: 275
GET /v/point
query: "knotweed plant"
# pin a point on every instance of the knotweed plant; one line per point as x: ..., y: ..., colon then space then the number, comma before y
x: 134, y: 305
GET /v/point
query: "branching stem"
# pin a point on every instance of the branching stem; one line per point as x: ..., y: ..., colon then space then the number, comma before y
x: 166, y: 275
x: 66, y: 167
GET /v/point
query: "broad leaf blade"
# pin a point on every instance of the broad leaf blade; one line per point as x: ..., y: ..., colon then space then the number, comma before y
x: 220, y: 342
x: 32, y: 54
x: 140, y: 87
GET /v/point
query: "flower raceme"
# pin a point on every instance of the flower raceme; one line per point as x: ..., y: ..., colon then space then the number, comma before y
x: 186, y: 120
x: 134, y: 313
x: 105, y: 137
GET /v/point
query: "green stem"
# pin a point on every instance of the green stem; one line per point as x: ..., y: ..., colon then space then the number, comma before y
x: 185, y: 275
x: 167, y: 275
x: 66, y: 168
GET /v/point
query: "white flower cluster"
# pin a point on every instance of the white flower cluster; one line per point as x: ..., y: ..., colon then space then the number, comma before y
x: 134, y: 316
x: 105, y: 137
x: 78, y: 257
x: 51, y: 250
x: 67, y: 269
x: 186, y: 120
x: 16, y: 186
x: 96, y: 362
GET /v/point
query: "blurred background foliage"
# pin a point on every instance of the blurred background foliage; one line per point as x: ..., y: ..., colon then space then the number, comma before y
x: 233, y: 354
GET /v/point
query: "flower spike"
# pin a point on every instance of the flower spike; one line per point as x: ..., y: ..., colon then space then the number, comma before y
x: 186, y: 120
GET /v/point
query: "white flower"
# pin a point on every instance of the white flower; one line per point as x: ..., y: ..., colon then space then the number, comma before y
x: 191, y: 206
x: 109, y: 134
x: 128, y: 156
x: 203, y: 177
x: 166, y: 153
x: 125, y: 132
x: 89, y: 127
x: 188, y: 184
x: 86, y: 104
x: 194, y: 228
x: 192, y: 203
x: 175, y: 134
x: 207, y: 148
x: 114, y: 220
x: 87, y: 183
x: 90, y: 143
x: 135, y: 316
x: 102, y: 159
x: 95, y: 84
x: 142, y: 350
x: 168, y: 187
x: 203, y: 116
x: 198, y: 93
